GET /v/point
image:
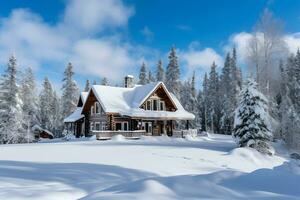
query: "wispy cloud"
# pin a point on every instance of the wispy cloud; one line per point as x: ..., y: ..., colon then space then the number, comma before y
x: 147, y: 33
x: 183, y: 27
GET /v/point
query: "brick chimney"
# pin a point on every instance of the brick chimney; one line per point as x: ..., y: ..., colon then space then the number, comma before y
x: 128, y: 81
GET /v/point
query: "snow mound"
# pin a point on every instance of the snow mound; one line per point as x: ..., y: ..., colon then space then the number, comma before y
x: 93, y: 137
x: 250, y: 154
x: 191, y: 138
x: 118, y: 138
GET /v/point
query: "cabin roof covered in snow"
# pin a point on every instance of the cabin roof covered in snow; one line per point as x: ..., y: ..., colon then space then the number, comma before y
x: 127, y: 101
x: 76, y: 115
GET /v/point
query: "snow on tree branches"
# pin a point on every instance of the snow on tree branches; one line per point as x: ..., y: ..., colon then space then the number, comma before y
x: 251, y: 124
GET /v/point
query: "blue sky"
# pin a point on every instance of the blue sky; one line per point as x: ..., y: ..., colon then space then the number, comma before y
x: 112, y: 37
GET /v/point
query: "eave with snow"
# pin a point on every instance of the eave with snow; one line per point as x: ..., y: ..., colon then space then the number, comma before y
x: 149, y: 109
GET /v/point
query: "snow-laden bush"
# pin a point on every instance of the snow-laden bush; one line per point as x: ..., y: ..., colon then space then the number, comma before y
x: 251, y: 124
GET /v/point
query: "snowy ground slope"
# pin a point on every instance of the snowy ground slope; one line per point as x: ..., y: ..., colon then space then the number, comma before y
x: 152, y: 167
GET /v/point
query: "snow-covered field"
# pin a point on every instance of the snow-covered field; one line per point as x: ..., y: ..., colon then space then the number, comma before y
x: 150, y: 168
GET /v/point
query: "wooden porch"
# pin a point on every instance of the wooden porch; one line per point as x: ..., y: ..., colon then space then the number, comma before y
x: 106, y: 134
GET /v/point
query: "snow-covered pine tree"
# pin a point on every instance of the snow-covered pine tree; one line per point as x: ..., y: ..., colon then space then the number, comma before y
x: 173, y: 74
x: 200, y: 111
x: 11, y: 114
x: 160, y: 73
x: 87, y: 86
x: 70, y: 92
x: 56, y: 120
x: 45, y: 105
x: 143, y: 75
x: 151, y: 78
x: 290, y: 105
x: 213, y: 101
x: 226, y: 89
x: 29, y: 97
x: 205, y: 103
x: 251, y: 124
x: 104, y: 81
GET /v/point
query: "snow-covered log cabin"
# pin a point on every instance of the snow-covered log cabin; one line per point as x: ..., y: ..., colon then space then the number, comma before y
x: 132, y: 110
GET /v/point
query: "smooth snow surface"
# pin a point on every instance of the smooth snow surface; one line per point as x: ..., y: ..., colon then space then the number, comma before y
x: 207, y: 167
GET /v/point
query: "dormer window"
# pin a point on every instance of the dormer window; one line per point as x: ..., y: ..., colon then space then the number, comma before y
x: 162, y: 105
x: 148, y: 106
x: 97, y: 108
x: 155, y: 106
x: 92, y: 110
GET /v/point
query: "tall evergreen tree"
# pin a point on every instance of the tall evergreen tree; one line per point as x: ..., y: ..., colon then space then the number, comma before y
x: 173, y: 74
x: 151, y: 78
x: 29, y: 97
x: 213, y: 98
x: 104, y: 81
x: 45, y: 105
x: 251, y: 125
x: 143, y: 75
x: 11, y: 115
x: 70, y: 92
x: 87, y: 86
x: 160, y: 73
x: 225, y: 91
x: 205, y: 103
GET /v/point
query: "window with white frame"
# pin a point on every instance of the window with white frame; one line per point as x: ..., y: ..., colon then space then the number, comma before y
x: 97, y: 108
x: 162, y: 105
x: 148, y: 106
x: 154, y: 103
x: 103, y: 126
x: 91, y: 126
x: 92, y: 110
x: 97, y: 126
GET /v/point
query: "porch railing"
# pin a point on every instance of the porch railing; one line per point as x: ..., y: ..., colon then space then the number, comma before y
x: 184, y: 133
x: 128, y: 134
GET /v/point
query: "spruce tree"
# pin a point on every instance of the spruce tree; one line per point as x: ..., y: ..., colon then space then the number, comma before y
x: 205, y: 103
x: 45, y: 105
x: 70, y: 92
x: 151, y: 78
x: 87, y: 86
x: 11, y: 115
x: 226, y: 93
x: 29, y: 97
x: 173, y: 74
x: 160, y: 73
x: 213, y: 100
x: 104, y: 81
x: 251, y: 124
x: 143, y: 75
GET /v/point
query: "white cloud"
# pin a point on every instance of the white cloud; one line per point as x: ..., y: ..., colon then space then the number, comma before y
x: 37, y: 43
x: 148, y: 34
x: 201, y: 59
x: 26, y: 35
x: 101, y: 57
x: 240, y: 42
x: 293, y: 42
x: 94, y: 15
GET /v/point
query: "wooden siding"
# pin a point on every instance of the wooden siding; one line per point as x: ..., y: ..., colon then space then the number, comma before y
x: 161, y: 94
